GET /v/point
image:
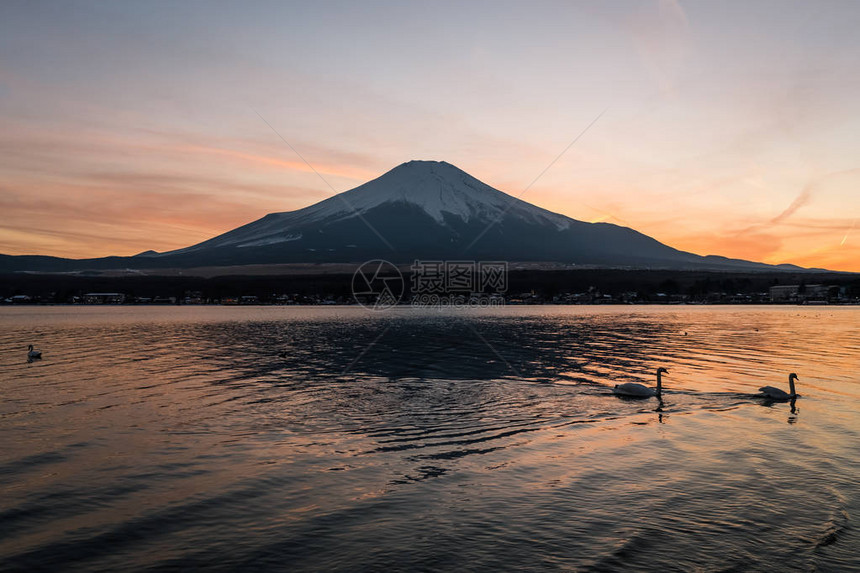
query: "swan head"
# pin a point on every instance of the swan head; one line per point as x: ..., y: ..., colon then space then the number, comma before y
x: 791, y: 378
x: 30, y: 347
x: 662, y: 370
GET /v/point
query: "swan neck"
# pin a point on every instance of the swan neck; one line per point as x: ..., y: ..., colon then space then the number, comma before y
x: 791, y: 386
x: 659, y: 382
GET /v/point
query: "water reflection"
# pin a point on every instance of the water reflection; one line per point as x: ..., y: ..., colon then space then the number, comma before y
x: 448, y: 347
x: 334, y: 439
x: 659, y: 410
x: 794, y: 412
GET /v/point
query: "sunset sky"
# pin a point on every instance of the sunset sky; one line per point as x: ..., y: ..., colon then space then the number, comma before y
x: 730, y: 128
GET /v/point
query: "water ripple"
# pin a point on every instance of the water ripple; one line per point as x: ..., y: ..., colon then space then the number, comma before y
x: 251, y: 438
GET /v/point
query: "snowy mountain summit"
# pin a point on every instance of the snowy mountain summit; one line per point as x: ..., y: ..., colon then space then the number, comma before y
x: 442, y: 190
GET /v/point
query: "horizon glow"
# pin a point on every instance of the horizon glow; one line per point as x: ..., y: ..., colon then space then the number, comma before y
x: 730, y: 127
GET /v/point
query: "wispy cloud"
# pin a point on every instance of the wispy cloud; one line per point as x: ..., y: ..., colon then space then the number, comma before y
x: 802, y: 199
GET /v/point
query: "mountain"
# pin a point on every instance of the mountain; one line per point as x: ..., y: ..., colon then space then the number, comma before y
x: 428, y: 210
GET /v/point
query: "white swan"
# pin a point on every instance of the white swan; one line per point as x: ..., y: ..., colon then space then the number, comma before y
x: 32, y: 353
x: 774, y: 393
x: 635, y: 390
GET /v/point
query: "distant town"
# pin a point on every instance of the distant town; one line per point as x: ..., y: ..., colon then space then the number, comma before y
x: 808, y: 294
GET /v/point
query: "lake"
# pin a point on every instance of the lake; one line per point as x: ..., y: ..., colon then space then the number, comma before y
x: 337, y: 438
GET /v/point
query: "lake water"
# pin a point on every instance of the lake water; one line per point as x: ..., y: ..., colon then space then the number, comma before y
x: 336, y: 438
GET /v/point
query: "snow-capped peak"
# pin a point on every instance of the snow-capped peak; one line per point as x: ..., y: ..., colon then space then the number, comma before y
x: 438, y: 188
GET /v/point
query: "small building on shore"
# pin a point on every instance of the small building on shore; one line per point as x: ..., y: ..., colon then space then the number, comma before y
x: 803, y: 293
x: 20, y: 299
x: 784, y: 293
x: 104, y: 298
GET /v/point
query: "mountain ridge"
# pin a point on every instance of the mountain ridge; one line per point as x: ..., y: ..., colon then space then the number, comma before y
x: 418, y: 210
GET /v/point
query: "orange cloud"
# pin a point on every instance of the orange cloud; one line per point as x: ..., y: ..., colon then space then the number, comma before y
x: 61, y: 194
x: 756, y: 246
x: 357, y: 174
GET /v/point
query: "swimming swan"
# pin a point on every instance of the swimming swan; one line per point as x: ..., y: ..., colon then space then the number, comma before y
x: 778, y: 394
x: 635, y: 390
x: 32, y: 353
